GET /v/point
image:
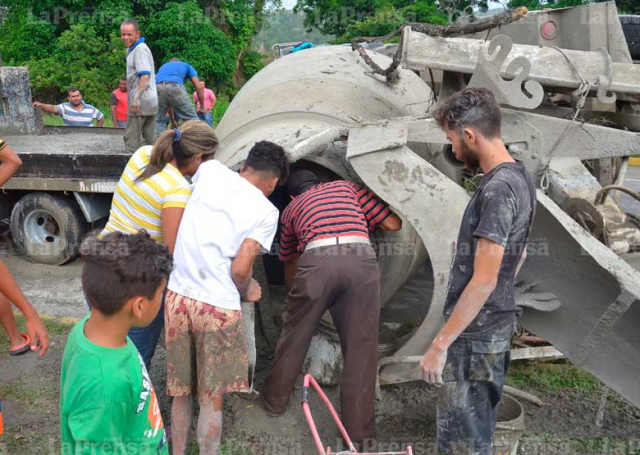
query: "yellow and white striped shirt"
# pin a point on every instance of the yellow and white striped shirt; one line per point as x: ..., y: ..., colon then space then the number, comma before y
x: 138, y: 205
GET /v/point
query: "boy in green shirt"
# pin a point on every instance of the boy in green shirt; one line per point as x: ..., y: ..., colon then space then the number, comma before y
x: 107, y: 401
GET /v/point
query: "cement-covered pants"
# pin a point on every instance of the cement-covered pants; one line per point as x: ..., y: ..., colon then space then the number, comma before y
x: 139, y: 128
x: 173, y: 95
x: 344, y: 279
x: 474, y: 377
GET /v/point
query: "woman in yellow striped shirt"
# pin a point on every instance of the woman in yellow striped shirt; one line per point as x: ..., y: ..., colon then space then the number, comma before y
x: 152, y: 195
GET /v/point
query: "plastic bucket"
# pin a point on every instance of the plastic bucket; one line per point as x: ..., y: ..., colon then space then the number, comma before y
x: 509, y: 428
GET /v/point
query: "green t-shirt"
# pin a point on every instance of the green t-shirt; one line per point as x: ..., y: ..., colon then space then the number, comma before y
x: 107, y: 401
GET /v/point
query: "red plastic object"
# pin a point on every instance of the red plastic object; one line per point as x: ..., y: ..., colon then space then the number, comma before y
x: 310, y: 381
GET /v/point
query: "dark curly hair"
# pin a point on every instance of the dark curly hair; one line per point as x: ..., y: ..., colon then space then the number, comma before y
x: 118, y: 267
x: 266, y: 156
x: 475, y: 107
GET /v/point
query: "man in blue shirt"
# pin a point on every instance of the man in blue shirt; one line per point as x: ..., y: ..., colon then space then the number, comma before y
x: 172, y: 94
x: 75, y: 112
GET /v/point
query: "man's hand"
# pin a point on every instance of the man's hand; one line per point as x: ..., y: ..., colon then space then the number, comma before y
x: 37, y: 104
x: 254, y: 293
x: 38, y: 334
x: 432, y: 365
x: 135, y: 106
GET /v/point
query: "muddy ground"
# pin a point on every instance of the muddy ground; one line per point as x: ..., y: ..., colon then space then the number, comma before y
x: 406, y: 413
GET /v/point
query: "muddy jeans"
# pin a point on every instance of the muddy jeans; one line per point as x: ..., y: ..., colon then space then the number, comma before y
x: 173, y: 95
x: 139, y: 128
x: 474, y: 376
x: 344, y: 279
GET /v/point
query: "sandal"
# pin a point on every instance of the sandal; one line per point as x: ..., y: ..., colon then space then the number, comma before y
x: 24, y: 347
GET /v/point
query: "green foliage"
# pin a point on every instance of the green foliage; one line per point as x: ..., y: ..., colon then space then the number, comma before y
x: 286, y: 26
x: 24, y: 37
x: 535, y: 5
x: 96, y: 73
x: 628, y: 6
x: 252, y: 63
x: 462, y: 10
x: 76, y: 42
x: 182, y: 31
x: 349, y: 18
x: 389, y: 19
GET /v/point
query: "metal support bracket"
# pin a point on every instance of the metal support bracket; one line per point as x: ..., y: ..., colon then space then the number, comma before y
x: 488, y: 74
x: 605, y: 95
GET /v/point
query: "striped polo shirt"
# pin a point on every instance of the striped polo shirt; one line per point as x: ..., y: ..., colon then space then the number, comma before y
x: 85, y: 117
x: 334, y: 209
x: 138, y: 205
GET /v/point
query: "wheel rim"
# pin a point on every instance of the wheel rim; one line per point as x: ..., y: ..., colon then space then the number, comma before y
x: 42, y: 228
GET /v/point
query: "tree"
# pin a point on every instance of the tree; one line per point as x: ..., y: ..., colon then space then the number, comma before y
x: 387, y: 20
x: 96, y: 72
x: 535, y: 5
x: 461, y: 10
x: 241, y: 20
x: 285, y: 26
x: 183, y: 31
x: 343, y: 17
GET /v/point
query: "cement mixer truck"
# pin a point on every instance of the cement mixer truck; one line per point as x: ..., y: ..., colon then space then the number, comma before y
x: 571, y: 111
x: 570, y: 97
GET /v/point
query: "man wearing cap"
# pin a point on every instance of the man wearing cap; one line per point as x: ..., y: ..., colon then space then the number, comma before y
x: 172, y: 95
x: 331, y: 265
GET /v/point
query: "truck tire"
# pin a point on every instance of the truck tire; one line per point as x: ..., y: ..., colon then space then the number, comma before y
x: 631, y: 29
x: 47, y: 229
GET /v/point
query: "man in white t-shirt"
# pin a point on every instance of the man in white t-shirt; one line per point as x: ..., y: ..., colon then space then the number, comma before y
x: 228, y: 222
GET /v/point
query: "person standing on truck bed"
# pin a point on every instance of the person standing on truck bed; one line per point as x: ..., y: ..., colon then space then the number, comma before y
x: 331, y: 265
x: 75, y: 112
x: 119, y: 104
x: 36, y: 338
x: 141, y: 85
x: 152, y: 195
x: 173, y: 95
x: 469, y: 357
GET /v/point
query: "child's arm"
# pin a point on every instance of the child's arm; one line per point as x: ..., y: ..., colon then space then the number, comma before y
x: 37, y: 332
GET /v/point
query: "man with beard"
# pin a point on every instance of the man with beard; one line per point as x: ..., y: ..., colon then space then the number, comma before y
x: 469, y: 358
x: 75, y: 112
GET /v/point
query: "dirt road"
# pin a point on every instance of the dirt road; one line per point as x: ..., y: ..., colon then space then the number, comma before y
x: 565, y: 425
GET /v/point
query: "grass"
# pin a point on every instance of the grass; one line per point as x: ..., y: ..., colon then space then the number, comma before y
x: 552, y: 377
x: 218, y: 112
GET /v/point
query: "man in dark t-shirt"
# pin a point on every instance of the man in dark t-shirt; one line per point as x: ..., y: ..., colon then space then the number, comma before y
x: 469, y: 357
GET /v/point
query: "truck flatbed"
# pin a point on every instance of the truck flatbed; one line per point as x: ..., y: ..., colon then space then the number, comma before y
x: 69, y: 159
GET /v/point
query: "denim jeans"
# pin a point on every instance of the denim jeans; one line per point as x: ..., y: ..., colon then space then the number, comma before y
x: 474, y: 377
x: 208, y: 118
x: 146, y: 338
x: 121, y: 124
x: 173, y: 95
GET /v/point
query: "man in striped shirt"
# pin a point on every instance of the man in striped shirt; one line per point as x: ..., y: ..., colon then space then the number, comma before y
x: 331, y: 265
x: 75, y: 112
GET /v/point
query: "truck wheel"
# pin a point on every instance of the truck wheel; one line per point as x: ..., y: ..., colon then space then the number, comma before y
x: 47, y: 229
